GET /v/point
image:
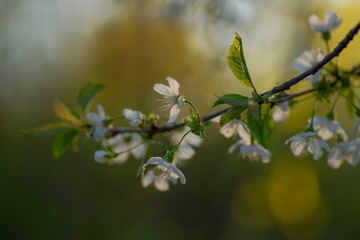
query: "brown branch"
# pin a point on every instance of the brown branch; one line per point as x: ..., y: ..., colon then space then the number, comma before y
x: 281, y: 88
x: 341, y: 46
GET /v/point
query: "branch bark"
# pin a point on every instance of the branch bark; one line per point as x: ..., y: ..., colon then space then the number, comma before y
x: 281, y: 88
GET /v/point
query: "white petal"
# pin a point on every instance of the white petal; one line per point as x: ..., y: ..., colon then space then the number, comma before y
x: 184, y: 152
x: 316, y: 24
x: 174, y: 112
x: 323, y: 144
x: 281, y: 112
x: 216, y: 119
x: 99, y: 156
x: 331, y: 21
x: 244, y: 132
x: 94, y: 117
x: 163, y: 90
x: 127, y: 113
x: 99, y: 133
x: 320, y: 55
x: 174, y: 85
x: 153, y: 160
x: 314, y: 148
x: 298, y: 147
x: 101, y: 111
x: 179, y: 174
x: 147, y: 179
x: 315, y: 78
x: 229, y: 129
x: 122, y: 158
x: 335, y: 157
x: 161, y: 184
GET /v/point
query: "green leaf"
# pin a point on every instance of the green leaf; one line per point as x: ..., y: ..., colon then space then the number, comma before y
x: 231, y: 99
x: 63, y: 112
x: 237, y: 63
x: 64, y: 140
x: 87, y: 93
x: 46, y: 130
x: 260, y: 129
x: 350, y: 93
x: 232, y: 113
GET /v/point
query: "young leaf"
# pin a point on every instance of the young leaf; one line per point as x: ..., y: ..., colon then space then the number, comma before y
x: 64, y: 140
x: 237, y: 63
x: 63, y: 112
x: 87, y: 93
x: 232, y: 99
x: 46, y: 130
x: 232, y: 113
x: 260, y: 129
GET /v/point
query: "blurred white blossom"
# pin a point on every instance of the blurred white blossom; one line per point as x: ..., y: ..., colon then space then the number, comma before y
x: 308, y: 59
x: 165, y: 169
x: 160, y: 183
x: 330, y: 22
x: 344, y: 152
x: 125, y: 144
x: 327, y: 129
x: 98, y: 130
x: 307, y: 142
x: 134, y: 117
x: 100, y: 156
x: 281, y: 112
x: 236, y: 126
x: 254, y: 152
x: 172, y: 98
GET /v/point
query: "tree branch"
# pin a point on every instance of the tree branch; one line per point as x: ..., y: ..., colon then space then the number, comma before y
x: 281, y: 88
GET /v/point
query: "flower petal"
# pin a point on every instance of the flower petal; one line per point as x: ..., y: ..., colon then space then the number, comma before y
x: 99, y: 156
x: 331, y: 21
x: 179, y: 174
x: 316, y: 24
x: 174, y: 112
x: 161, y: 184
x: 147, y: 179
x: 174, y: 85
x: 101, y: 111
x: 163, y: 90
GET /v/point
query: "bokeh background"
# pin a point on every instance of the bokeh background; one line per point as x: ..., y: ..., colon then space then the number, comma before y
x: 50, y: 49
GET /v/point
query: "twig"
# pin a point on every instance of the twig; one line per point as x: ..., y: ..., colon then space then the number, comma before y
x: 281, y: 88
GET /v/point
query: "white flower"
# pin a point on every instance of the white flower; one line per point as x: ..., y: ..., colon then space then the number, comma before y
x: 160, y: 183
x: 254, y: 152
x: 236, y: 126
x: 134, y: 117
x: 98, y: 130
x: 165, y: 169
x: 306, y: 142
x: 172, y: 98
x: 306, y: 60
x: 281, y: 112
x: 216, y: 119
x: 127, y: 144
x: 331, y: 21
x: 190, y: 139
x: 327, y: 129
x: 344, y: 152
x: 100, y: 156
x: 183, y: 154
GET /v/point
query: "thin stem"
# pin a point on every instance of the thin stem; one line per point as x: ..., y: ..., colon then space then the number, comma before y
x: 346, y: 97
x: 195, y: 109
x: 335, y: 101
x: 355, y: 130
x: 177, y: 146
x: 129, y: 149
x: 311, y: 128
x: 327, y: 46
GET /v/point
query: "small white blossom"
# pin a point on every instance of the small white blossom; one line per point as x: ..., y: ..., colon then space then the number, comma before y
x: 281, y: 112
x: 331, y: 21
x: 121, y: 143
x: 160, y: 183
x: 307, y: 142
x: 216, y: 119
x: 172, y: 98
x: 134, y: 117
x: 99, y: 130
x: 236, y: 126
x: 185, y: 151
x: 344, y: 152
x: 190, y: 139
x: 308, y: 59
x: 100, y: 156
x: 254, y: 152
x: 165, y: 169
x: 327, y: 129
